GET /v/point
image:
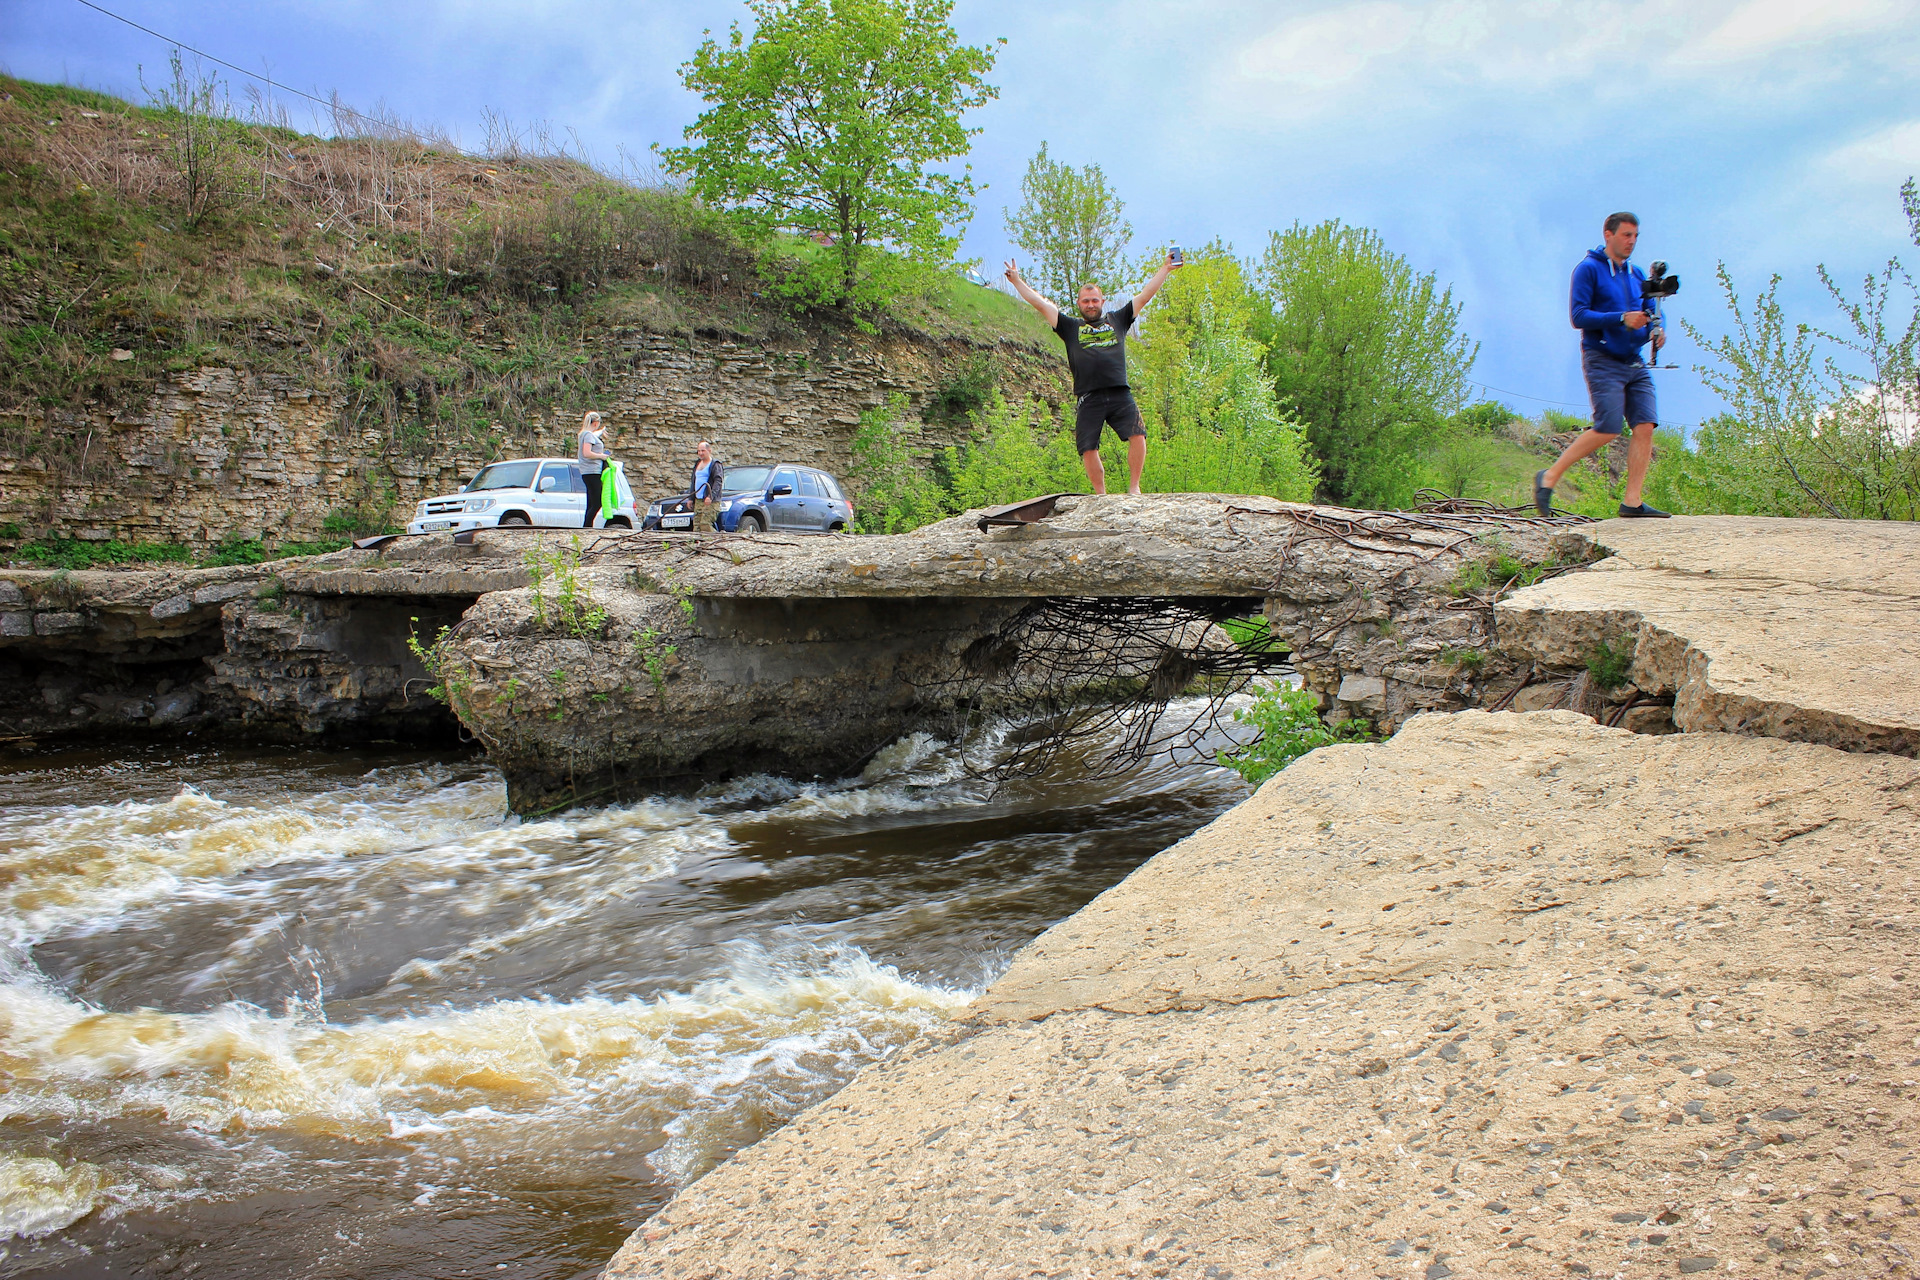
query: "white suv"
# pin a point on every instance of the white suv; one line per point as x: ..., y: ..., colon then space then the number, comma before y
x: 525, y: 491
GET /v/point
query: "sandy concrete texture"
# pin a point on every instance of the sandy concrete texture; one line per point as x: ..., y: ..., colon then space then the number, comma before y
x: 1799, y: 629
x: 1509, y: 995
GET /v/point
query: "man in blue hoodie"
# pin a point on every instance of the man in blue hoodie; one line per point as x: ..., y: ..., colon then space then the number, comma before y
x: 1609, y: 310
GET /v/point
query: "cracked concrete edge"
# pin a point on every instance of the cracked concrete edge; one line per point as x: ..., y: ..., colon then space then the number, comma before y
x: 1799, y: 630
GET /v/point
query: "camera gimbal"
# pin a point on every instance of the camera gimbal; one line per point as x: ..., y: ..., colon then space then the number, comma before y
x: 1657, y: 285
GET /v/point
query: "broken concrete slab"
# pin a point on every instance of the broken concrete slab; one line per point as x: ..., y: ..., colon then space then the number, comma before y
x: 1801, y: 629
x: 1507, y: 996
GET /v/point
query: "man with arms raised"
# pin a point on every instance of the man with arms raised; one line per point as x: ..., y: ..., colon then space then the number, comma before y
x: 1097, y: 353
x: 1607, y: 305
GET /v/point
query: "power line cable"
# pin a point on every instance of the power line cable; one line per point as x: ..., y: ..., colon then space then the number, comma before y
x: 1487, y: 386
x: 254, y: 75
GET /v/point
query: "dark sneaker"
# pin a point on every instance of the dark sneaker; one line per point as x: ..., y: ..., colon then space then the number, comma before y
x: 1642, y: 512
x: 1543, y: 495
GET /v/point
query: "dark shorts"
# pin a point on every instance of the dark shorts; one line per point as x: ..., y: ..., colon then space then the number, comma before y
x: 1097, y: 409
x: 1621, y: 392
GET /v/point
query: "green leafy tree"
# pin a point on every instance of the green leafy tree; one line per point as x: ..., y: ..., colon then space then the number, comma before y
x: 1214, y: 421
x: 1288, y: 718
x: 198, y: 142
x: 1069, y: 222
x: 1816, y: 431
x: 892, y: 489
x: 1013, y: 454
x: 825, y: 120
x: 1367, y: 351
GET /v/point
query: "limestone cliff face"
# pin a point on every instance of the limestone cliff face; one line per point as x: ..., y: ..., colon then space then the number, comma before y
x: 217, y: 452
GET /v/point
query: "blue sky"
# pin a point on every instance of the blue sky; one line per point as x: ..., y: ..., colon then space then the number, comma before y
x: 1485, y: 140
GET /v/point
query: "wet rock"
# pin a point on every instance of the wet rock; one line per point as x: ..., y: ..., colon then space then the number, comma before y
x: 174, y: 708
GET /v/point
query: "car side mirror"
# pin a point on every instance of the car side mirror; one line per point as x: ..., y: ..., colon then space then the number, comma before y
x: 547, y: 483
x: 780, y: 491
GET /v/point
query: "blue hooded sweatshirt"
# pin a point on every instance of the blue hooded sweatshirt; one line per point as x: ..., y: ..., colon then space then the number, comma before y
x: 1602, y: 293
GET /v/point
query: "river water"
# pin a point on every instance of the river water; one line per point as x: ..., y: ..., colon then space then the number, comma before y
x: 297, y: 1014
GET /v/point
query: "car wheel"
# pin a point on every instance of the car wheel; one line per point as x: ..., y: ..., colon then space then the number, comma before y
x: 751, y: 523
x: 619, y: 522
x: 516, y: 518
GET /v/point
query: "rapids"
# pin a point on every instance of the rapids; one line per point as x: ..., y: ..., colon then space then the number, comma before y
x: 282, y: 1013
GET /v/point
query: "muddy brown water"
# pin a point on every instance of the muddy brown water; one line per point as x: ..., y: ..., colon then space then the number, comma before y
x: 275, y: 1014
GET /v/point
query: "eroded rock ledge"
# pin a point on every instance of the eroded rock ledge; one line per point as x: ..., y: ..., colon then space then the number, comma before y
x: 1510, y: 995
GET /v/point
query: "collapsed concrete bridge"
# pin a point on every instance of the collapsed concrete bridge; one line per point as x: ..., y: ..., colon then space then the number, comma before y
x: 614, y: 664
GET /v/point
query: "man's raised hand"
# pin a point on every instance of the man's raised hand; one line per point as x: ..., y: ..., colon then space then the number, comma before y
x: 1013, y: 272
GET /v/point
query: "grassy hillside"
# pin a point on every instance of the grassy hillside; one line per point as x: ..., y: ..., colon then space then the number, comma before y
x: 441, y: 290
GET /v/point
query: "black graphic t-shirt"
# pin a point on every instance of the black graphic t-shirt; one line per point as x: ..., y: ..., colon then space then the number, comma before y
x: 1097, y: 353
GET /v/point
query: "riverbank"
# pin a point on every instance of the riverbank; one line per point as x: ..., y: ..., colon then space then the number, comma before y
x: 1508, y: 995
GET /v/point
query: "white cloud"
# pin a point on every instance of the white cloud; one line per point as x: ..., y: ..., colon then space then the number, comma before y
x: 1383, y: 54
x: 1331, y: 48
x: 1881, y: 160
x: 1761, y: 27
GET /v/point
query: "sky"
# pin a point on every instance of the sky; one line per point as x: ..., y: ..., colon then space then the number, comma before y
x: 1485, y: 140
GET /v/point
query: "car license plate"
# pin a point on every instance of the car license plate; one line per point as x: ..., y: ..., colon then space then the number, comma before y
x: 676, y: 522
x: 439, y: 524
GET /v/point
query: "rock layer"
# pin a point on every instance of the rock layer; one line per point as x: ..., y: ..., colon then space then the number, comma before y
x: 1511, y: 995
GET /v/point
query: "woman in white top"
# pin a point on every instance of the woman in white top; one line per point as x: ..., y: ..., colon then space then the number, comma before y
x: 593, y: 456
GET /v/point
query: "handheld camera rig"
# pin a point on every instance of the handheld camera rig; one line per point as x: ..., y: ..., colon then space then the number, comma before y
x: 1657, y: 285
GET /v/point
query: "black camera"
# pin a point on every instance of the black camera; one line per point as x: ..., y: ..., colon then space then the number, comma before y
x: 1658, y: 283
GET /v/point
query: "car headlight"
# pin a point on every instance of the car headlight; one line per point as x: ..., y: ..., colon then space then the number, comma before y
x: 653, y: 511
x: 421, y: 510
x: 480, y: 504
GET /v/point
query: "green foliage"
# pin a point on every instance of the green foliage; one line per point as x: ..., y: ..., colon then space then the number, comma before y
x: 1214, y: 422
x: 654, y: 651
x: 1821, y: 422
x: 234, y: 551
x: 892, y: 489
x: 1470, y: 661
x: 570, y: 608
x: 1069, y: 221
x: 1008, y: 458
x: 1253, y: 634
x: 1609, y: 663
x: 826, y: 121
x: 1367, y: 351
x: 436, y: 657
x: 1499, y: 570
x: 1290, y: 726
x: 319, y: 547
x: 71, y: 553
x: 202, y: 146
x: 968, y: 387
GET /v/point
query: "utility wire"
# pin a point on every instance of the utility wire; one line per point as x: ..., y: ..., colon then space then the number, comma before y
x: 1486, y: 386
x: 255, y: 75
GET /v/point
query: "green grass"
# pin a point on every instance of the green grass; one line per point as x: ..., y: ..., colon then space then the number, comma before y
x: 499, y: 308
x: 1610, y: 662
x: 957, y: 307
x: 72, y: 553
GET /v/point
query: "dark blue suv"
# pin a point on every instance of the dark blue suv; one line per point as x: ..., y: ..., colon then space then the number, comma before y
x: 785, y: 498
